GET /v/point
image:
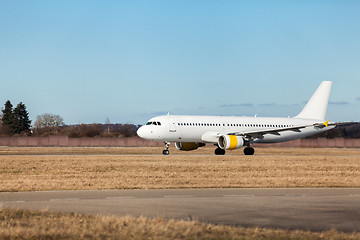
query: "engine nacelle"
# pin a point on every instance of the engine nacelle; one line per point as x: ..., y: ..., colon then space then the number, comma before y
x: 230, y: 142
x: 188, y: 146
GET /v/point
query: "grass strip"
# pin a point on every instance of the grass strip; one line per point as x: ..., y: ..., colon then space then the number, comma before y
x: 27, y: 224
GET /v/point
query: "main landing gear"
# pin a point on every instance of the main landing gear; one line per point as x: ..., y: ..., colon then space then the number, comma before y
x: 249, y: 151
x: 166, y: 150
x: 219, y: 151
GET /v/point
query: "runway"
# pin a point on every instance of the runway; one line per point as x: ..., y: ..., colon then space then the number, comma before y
x: 313, y: 209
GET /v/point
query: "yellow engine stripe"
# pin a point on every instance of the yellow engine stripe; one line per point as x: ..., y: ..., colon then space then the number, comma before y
x: 233, y: 142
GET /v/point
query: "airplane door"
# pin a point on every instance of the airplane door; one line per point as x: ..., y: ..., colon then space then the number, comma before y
x: 172, y: 125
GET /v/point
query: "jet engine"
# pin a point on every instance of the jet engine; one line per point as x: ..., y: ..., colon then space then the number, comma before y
x: 188, y: 146
x: 230, y: 142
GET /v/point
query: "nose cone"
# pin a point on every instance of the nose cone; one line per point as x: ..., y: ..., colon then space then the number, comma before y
x: 142, y: 132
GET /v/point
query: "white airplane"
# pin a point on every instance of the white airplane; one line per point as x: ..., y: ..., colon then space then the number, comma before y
x: 228, y: 133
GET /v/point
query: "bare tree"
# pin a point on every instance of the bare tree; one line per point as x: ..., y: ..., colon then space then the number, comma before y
x: 108, y: 123
x: 48, y: 120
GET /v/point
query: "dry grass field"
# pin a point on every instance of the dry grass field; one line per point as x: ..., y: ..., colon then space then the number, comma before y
x: 25, y: 224
x: 60, y: 168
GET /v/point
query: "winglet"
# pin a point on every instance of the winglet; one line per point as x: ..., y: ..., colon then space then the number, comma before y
x: 326, y: 123
x: 322, y: 125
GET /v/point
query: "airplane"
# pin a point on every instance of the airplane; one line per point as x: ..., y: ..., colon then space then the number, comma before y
x: 231, y: 132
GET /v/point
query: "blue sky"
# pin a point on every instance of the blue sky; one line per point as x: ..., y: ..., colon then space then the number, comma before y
x: 132, y: 60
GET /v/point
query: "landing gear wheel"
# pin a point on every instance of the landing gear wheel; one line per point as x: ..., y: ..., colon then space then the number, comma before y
x: 219, y: 151
x: 249, y: 151
x: 166, y: 150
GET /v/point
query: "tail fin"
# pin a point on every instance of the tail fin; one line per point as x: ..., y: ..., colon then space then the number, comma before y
x: 317, y: 105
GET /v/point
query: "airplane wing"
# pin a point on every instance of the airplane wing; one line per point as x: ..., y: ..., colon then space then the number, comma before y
x: 250, y: 135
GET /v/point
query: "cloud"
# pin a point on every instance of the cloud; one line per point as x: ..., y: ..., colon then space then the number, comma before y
x: 237, y: 105
x: 267, y: 104
x: 338, y: 103
x: 358, y: 99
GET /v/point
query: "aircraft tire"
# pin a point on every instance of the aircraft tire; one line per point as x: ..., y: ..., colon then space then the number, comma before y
x: 165, y: 152
x: 219, y: 151
x: 249, y: 151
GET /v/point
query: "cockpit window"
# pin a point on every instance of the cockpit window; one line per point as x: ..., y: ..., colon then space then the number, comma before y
x: 153, y: 123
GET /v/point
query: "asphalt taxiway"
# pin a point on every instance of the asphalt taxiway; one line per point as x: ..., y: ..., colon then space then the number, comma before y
x: 313, y: 209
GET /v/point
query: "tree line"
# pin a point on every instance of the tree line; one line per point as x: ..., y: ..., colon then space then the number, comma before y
x: 89, y: 130
x: 16, y: 122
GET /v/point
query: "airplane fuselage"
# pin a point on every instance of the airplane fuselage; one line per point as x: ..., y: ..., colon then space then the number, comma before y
x: 182, y: 128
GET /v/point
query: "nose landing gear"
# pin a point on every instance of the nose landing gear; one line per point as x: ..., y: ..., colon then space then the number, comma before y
x: 166, y: 150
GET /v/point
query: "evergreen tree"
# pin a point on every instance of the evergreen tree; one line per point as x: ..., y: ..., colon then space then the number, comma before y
x: 8, y: 117
x: 21, y: 119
